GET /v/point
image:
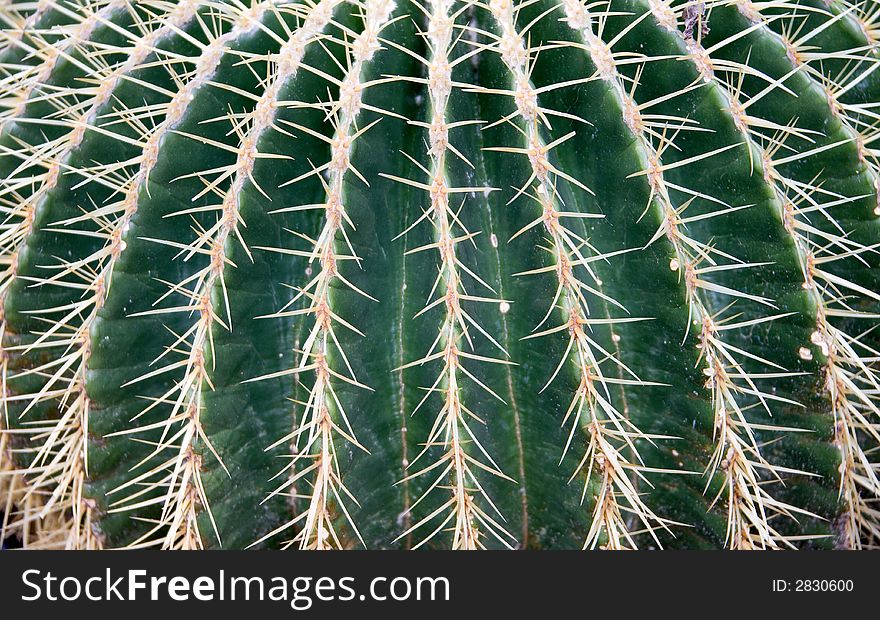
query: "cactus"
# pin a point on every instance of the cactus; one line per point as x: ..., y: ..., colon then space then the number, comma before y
x: 440, y: 273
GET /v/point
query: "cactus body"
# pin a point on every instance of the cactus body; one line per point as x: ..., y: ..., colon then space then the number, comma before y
x: 392, y: 274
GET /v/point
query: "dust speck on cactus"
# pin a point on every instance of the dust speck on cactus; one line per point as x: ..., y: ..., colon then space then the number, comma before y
x: 331, y: 274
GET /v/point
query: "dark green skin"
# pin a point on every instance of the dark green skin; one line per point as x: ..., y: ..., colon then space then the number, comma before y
x: 524, y: 434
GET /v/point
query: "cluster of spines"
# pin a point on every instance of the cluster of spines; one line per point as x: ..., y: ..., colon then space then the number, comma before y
x: 751, y: 507
x: 867, y: 13
x: 27, y: 81
x: 313, y: 462
x: 736, y: 455
x: 184, y: 443
x: 17, y: 89
x: 114, y: 219
x: 611, y: 466
x: 859, y: 62
x: 468, y: 512
x: 851, y: 378
x: 60, y: 463
x: 27, y: 86
x: 25, y: 42
x: 14, y: 21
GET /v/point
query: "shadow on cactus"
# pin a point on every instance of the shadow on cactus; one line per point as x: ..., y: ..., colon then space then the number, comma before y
x: 448, y: 274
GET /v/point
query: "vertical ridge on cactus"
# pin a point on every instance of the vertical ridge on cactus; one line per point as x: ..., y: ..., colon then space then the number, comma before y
x: 332, y: 274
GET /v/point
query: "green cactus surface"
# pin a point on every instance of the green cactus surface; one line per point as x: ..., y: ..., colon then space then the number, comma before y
x: 455, y: 274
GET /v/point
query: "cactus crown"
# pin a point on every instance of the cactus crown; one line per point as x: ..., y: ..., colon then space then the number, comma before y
x: 468, y: 274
